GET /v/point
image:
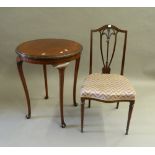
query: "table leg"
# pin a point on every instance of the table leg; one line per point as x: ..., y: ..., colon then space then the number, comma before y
x: 77, y: 62
x: 21, y: 74
x: 61, y: 80
x: 45, y: 78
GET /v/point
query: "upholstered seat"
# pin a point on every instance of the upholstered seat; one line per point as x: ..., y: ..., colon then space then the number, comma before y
x: 107, y: 87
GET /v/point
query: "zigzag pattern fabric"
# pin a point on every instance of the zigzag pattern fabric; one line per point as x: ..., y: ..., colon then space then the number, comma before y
x: 107, y: 87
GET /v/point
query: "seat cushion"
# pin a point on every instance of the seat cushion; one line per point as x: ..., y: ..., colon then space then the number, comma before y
x: 107, y: 87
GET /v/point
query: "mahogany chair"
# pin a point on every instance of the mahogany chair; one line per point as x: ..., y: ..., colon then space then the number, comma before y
x: 106, y: 87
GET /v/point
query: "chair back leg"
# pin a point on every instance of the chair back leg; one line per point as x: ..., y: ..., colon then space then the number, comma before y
x: 117, y: 105
x: 89, y: 103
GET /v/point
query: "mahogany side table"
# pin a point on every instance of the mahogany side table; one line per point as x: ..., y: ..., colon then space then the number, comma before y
x: 55, y: 52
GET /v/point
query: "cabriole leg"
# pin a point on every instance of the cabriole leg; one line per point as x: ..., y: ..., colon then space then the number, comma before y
x: 61, y: 80
x: 21, y: 74
x: 77, y: 62
x: 45, y: 78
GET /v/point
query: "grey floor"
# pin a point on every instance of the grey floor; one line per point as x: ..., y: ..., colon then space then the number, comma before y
x: 104, y: 125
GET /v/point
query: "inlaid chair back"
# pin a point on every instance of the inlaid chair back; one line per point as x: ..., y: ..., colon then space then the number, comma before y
x: 109, y: 34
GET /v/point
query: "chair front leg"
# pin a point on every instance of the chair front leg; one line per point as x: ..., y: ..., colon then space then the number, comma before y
x: 131, y: 105
x: 82, y: 113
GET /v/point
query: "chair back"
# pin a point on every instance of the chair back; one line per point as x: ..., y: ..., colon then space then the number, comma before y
x: 108, y: 31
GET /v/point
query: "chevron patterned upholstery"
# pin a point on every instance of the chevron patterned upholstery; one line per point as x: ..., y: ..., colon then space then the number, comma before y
x: 107, y: 87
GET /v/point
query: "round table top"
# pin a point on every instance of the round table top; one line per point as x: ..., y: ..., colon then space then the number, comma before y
x: 48, y: 48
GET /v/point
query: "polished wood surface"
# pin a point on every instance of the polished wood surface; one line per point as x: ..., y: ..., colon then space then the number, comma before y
x: 48, y: 49
x: 53, y: 52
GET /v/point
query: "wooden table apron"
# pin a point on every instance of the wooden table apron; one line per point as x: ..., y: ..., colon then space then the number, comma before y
x: 54, y: 62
